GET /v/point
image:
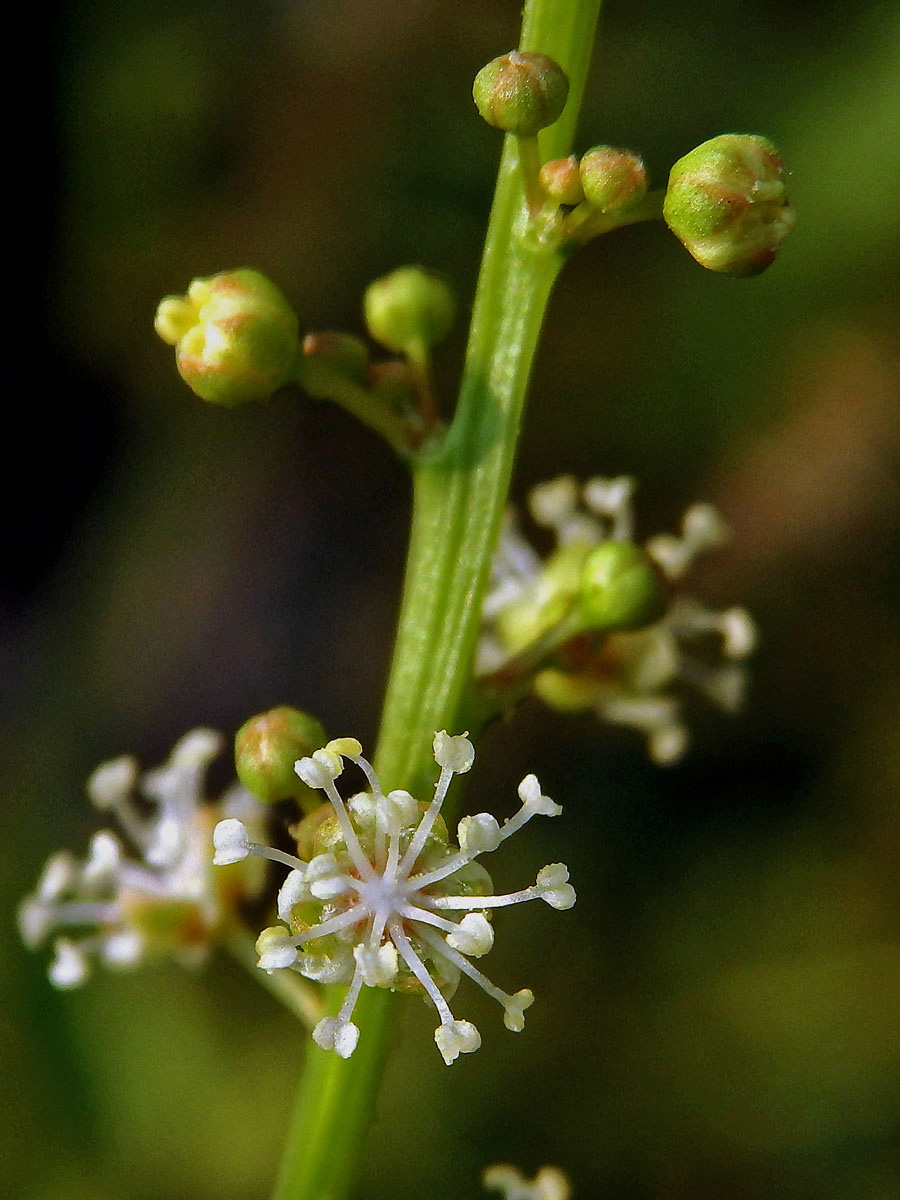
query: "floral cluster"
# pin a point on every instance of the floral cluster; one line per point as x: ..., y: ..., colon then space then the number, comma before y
x: 381, y: 898
x: 121, y: 908
x: 628, y: 658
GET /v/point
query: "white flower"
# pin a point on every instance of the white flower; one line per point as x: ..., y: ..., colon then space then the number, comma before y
x: 120, y: 910
x: 532, y: 636
x: 383, y: 900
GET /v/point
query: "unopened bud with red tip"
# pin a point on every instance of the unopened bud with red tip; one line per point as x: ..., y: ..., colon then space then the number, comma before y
x: 611, y: 178
x: 328, y: 354
x: 235, y: 336
x: 521, y: 92
x: 410, y: 307
x: 266, y: 748
x: 726, y: 203
x: 561, y: 180
x: 621, y: 587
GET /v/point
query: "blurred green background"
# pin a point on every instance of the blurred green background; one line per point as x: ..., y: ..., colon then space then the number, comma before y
x: 717, y: 1018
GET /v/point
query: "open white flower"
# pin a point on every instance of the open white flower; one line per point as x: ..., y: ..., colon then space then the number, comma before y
x: 119, y: 907
x: 532, y: 638
x: 383, y: 900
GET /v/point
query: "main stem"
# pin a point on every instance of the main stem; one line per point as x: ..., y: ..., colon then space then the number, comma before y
x: 459, y: 493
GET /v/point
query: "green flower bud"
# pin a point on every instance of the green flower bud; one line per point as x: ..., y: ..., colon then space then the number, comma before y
x: 235, y: 336
x: 521, y: 92
x: 726, y: 203
x: 325, y: 354
x: 409, y: 307
x: 561, y: 180
x: 612, y: 178
x: 621, y: 587
x: 266, y: 748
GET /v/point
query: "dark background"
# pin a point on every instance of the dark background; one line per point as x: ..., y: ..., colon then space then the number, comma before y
x: 718, y: 1015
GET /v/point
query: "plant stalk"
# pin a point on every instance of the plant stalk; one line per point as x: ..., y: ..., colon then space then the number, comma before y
x: 459, y: 494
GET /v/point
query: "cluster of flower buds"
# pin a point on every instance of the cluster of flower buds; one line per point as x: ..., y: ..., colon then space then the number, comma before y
x: 550, y: 1183
x: 600, y: 623
x: 164, y: 899
x: 236, y: 339
x: 725, y: 200
x: 377, y: 896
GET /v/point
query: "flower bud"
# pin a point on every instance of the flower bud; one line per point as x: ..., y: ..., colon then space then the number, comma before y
x: 561, y: 180
x: 726, y: 203
x: 266, y: 748
x: 235, y: 336
x: 521, y: 92
x: 409, y: 306
x: 612, y: 178
x: 325, y: 354
x: 621, y: 587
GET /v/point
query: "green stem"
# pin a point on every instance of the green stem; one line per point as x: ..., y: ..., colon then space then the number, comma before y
x: 459, y: 493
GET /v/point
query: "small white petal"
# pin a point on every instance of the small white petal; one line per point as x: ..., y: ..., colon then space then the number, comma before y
x: 348, y: 747
x: 59, y: 873
x: 553, y: 501
x: 474, y: 935
x: 531, y: 796
x: 549, y: 1184
x: 320, y: 769
x: 554, y: 888
x: 104, y: 857
x: 122, y: 949
x: 378, y: 964
x: 738, y: 633
x: 168, y: 845
x: 333, y: 1034
x: 293, y: 891
x: 338, y: 969
x: 112, y: 782
x: 668, y: 744
x: 231, y: 841
x: 325, y: 878
x: 479, y: 834
x: 403, y: 808
x: 35, y: 919
x: 197, y: 748
x: 705, y: 527
x: 275, y: 950
x: 455, y: 1038
x: 70, y: 966
x: 514, y: 1010
x: 455, y: 752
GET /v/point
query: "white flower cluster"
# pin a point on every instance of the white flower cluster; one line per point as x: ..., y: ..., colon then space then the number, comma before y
x: 383, y: 900
x: 636, y: 677
x: 120, y: 910
x: 550, y: 1183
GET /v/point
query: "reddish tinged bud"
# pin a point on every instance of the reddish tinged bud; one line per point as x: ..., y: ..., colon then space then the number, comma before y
x: 330, y: 353
x: 612, y: 178
x: 561, y: 180
x: 726, y: 203
x: 521, y: 92
x: 235, y: 336
x: 266, y: 748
